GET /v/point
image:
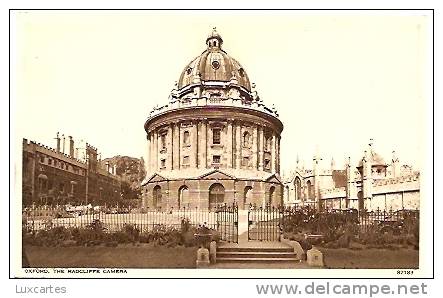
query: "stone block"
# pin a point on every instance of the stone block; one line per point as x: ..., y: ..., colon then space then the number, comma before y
x: 202, y: 258
x: 213, y: 252
x: 315, y: 258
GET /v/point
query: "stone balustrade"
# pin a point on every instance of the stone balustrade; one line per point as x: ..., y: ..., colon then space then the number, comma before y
x: 212, y: 101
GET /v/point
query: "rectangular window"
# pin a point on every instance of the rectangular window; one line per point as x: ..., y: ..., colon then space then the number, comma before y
x: 268, y: 144
x: 186, y: 160
x: 216, y: 159
x: 163, y: 141
x: 163, y: 163
x: 186, y: 141
x: 42, y: 159
x: 245, y: 161
x: 216, y: 135
x: 50, y: 162
x: 62, y: 187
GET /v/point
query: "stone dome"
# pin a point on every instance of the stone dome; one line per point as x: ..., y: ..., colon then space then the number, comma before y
x: 214, y: 65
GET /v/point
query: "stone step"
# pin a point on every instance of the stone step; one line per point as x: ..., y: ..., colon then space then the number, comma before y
x: 254, y: 260
x: 255, y: 254
x: 255, y: 249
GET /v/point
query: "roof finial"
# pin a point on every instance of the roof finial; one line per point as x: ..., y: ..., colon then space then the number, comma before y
x: 371, y: 142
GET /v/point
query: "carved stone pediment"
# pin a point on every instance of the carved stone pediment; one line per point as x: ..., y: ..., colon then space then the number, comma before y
x: 156, y: 178
x: 273, y: 179
x: 216, y: 175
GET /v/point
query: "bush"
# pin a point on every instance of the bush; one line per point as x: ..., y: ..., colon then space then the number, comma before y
x: 132, y: 232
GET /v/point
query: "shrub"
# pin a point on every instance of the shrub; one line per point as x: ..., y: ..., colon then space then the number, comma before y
x: 132, y: 232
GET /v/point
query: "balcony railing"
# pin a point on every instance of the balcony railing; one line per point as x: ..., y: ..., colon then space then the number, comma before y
x: 213, y: 101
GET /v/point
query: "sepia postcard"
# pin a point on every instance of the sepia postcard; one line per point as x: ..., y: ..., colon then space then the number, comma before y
x: 221, y: 144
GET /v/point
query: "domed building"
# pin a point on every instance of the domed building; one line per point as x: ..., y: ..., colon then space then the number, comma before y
x: 215, y: 141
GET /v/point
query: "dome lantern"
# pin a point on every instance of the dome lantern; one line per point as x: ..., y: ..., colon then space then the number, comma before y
x: 214, y: 40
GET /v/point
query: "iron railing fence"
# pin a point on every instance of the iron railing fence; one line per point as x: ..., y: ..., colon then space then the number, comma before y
x: 268, y: 222
x: 264, y: 223
x: 46, y: 217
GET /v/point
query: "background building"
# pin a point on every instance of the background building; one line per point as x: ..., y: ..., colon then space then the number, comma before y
x: 51, y: 176
x: 371, y: 184
x: 214, y: 141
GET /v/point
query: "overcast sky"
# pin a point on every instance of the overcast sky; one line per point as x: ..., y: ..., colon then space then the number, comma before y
x: 337, y: 79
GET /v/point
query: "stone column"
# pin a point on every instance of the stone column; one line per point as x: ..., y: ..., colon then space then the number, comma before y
x: 204, y: 142
x: 148, y: 159
x: 155, y: 152
x: 194, y: 146
x: 273, y: 149
x: 277, y: 157
x: 169, y: 148
x: 238, y: 145
x: 254, y: 146
x: 261, y: 146
x: 176, y: 146
x: 229, y: 147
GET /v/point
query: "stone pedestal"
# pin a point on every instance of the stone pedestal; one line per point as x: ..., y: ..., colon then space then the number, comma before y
x: 202, y: 258
x: 213, y: 252
x: 315, y: 258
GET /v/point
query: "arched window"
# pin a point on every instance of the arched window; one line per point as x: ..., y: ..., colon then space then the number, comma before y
x: 247, y: 197
x: 216, y: 195
x: 186, y: 138
x: 297, y: 189
x: 361, y: 201
x: 310, y: 190
x: 183, y: 197
x: 271, y: 195
x: 246, y: 139
x: 157, y: 197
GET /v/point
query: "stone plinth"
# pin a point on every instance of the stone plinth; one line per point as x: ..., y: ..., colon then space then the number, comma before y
x: 202, y: 258
x: 315, y: 258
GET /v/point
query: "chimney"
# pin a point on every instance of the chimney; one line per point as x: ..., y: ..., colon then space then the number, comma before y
x: 58, y: 142
x: 64, y: 139
x: 71, y: 146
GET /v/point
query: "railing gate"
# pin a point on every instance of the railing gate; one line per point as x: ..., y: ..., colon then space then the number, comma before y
x: 227, y: 222
x: 264, y: 223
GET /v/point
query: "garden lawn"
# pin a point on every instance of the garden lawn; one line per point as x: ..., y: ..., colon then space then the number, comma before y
x: 370, y: 258
x: 125, y: 256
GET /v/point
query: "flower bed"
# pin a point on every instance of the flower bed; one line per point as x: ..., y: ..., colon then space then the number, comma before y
x: 339, y: 230
x: 96, y: 234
